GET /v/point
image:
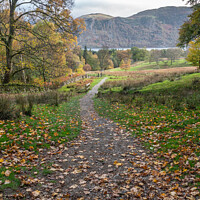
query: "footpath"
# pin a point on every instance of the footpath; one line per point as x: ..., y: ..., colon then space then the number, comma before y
x: 105, y: 162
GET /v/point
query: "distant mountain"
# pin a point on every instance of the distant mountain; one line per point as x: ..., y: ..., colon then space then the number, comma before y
x: 150, y: 28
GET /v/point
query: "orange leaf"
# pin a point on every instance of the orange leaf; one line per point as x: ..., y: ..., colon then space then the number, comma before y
x: 56, y: 134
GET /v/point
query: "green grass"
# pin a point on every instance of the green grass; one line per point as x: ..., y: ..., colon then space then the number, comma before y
x: 63, y: 120
x: 46, y: 172
x: 116, y: 78
x: 184, y: 82
x: 64, y: 88
x: 14, y: 182
x: 49, y: 125
x: 161, y: 65
x: 95, y: 82
x: 153, y: 65
x: 165, y: 118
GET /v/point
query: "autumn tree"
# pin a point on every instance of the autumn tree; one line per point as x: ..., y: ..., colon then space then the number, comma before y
x: 73, y: 61
x: 49, y: 57
x: 115, y: 59
x: 189, y: 33
x: 138, y: 54
x: 125, y: 64
x: 78, y: 51
x: 93, y: 61
x: 194, y: 54
x: 104, y: 57
x: 110, y: 64
x: 124, y: 55
x: 16, y: 16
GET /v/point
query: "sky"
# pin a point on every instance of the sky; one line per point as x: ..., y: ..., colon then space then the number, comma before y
x: 122, y: 8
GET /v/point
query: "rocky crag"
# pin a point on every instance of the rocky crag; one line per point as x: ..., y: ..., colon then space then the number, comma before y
x: 150, y: 28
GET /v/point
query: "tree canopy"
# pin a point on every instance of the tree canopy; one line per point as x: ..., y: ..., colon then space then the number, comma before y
x: 190, y: 30
x: 193, y: 2
x: 17, y: 18
x: 194, y: 54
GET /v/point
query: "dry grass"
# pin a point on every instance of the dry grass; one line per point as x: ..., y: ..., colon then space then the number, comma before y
x: 11, y: 105
x: 180, y: 70
x: 139, y: 79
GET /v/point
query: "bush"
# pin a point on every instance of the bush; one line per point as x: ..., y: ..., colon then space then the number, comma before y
x: 192, y: 102
x: 25, y: 103
x: 52, y: 97
x: 87, y: 67
x: 196, y: 83
x: 47, y: 98
x: 139, y: 101
x: 7, y: 109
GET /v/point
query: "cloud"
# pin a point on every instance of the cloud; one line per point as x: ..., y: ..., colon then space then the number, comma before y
x: 123, y: 8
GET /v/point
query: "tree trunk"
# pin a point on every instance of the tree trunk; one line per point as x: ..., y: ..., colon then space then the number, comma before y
x: 9, y: 44
x: 23, y: 71
x: 43, y: 72
x: 7, y: 75
x: 199, y: 62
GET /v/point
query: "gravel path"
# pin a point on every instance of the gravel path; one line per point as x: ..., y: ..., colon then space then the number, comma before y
x: 106, y: 162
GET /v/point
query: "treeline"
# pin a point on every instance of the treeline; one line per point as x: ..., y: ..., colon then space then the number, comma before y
x: 111, y: 58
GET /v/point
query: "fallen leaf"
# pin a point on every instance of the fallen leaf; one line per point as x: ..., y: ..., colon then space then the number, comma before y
x: 117, y: 163
x: 73, y: 186
x: 7, y: 173
x: 36, y: 193
x: 163, y: 173
x: 7, y: 182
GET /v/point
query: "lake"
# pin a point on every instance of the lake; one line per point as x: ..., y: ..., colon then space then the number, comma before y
x: 148, y: 49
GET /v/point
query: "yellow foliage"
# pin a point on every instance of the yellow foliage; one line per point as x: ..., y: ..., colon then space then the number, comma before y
x: 194, y: 53
x: 125, y: 64
x: 68, y: 71
x: 111, y: 65
x: 80, y: 69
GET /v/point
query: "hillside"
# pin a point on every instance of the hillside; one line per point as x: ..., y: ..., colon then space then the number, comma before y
x: 150, y: 28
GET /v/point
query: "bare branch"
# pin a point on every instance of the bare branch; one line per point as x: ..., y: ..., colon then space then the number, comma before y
x: 20, y: 70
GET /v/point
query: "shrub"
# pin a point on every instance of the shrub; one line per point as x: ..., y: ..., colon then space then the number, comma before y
x: 25, y: 103
x: 52, y: 97
x: 193, y: 101
x: 87, y: 67
x: 196, y: 83
x: 7, y: 109
x: 46, y: 98
x: 139, y: 101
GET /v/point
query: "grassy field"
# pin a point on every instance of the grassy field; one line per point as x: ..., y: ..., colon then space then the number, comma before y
x: 164, y: 115
x: 134, y: 80
x: 153, y: 65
